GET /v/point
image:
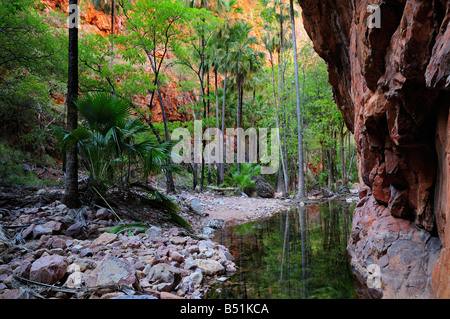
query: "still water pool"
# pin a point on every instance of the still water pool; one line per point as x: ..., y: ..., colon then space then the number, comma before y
x: 300, y: 253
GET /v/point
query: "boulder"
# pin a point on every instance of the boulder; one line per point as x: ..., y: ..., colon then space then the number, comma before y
x: 197, y: 206
x: 166, y: 276
x: 48, y: 269
x: 209, y: 266
x: 263, y: 188
x: 112, y: 271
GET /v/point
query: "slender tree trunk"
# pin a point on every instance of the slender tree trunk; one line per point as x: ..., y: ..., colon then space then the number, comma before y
x: 113, y: 7
x: 71, y: 196
x: 217, y: 125
x: 283, y: 164
x: 222, y: 165
x: 282, y: 119
x: 301, y: 173
x: 239, y: 113
x: 253, y: 108
x: 208, y: 111
x: 170, y: 186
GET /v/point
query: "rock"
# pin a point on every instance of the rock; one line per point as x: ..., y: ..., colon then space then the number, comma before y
x: 177, y: 256
x: 174, y: 231
x: 112, y: 271
x: 204, y: 245
x: 55, y: 226
x: 216, y: 223
x: 153, y: 231
x: 162, y: 251
x: 86, y: 252
x: 75, y: 230
x: 197, y: 206
x: 209, y: 266
x: 104, y: 239
x: 168, y: 295
x: 59, y: 243
x: 102, y: 213
x: 193, y: 249
x: 48, y: 269
x: 75, y: 280
x: 263, y: 188
x: 39, y: 231
x: 392, y: 87
x: 207, y: 231
x: 28, y: 231
x: 179, y: 240
x: 162, y: 273
x: 196, y: 277
x: 23, y: 270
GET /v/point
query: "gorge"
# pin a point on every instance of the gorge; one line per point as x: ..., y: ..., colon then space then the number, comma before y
x: 392, y: 86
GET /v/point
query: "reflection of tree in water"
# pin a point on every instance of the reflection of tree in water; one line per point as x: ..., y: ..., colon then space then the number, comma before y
x: 298, y: 254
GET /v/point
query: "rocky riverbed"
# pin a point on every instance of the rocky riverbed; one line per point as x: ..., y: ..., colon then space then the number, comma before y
x: 50, y: 251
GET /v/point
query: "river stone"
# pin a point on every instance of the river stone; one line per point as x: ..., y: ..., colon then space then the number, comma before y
x: 209, y: 266
x: 112, y: 271
x: 263, y: 188
x: 167, y: 276
x: 75, y: 280
x: 104, y: 239
x: 48, y: 269
x: 162, y: 273
x: 198, y: 207
x: 153, y: 231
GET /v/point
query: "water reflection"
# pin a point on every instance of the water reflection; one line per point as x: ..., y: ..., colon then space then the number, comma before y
x: 296, y: 254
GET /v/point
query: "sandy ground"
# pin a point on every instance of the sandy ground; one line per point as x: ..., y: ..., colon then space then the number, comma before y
x: 229, y: 210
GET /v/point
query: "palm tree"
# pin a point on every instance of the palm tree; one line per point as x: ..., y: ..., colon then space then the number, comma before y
x: 111, y: 144
x: 226, y: 9
x: 71, y: 197
x: 245, y: 61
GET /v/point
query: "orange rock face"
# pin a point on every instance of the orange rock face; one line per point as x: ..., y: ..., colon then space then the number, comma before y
x: 392, y: 84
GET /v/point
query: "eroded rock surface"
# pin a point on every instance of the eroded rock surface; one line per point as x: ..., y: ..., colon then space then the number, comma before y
x: 392, y: 86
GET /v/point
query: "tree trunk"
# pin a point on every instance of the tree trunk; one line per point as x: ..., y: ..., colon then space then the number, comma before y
x: 222, y: 164
x: 217, y: 124
x: 170, y: 186
x: 112, y: 30
x: 239, y: 113
x: 301, y: 173
x: 71, y: 196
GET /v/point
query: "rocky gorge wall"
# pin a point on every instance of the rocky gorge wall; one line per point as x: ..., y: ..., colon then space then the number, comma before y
x: 392, y: 85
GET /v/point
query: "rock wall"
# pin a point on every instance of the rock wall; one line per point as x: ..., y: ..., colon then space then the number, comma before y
x: 392, y: 85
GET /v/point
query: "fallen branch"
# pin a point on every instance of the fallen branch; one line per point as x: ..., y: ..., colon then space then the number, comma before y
x: 223, y: 189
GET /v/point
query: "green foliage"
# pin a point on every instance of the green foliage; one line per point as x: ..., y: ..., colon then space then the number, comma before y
x: 15, y: 167
x: 130, y: 228
x: 111, y: 145
x: 242, y: 179
x: 32, y: 64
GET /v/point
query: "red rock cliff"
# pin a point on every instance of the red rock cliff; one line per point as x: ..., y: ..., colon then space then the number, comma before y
x: 392, y: 85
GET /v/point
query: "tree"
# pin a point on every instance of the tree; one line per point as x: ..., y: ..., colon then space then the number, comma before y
x: 113, y: 144
x: 149, y: 38
x: 245, y: 60
x: 301, y: 181
x: 226, y: 9
x: 32, y: 69
x: 71, y: 196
